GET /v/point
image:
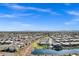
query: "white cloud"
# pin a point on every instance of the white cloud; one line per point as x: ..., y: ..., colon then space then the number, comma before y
x: 6, y: 15
x: 15, y: 15
x: 72, y: 22
x: 14, y: 26
x: 42, y: 10
x: 75, y: 13
x: 21, y: 26
x: 19, y: 7
x: 38, y: 9
x: 23, y: 14
x: 14, y: 6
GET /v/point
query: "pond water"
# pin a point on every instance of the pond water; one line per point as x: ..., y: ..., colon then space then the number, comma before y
x: 54, y: 52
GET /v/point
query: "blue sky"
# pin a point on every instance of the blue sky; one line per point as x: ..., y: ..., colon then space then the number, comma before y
x: 39, y: 17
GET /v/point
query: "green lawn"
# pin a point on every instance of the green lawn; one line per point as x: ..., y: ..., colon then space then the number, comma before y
x: 36, y: 46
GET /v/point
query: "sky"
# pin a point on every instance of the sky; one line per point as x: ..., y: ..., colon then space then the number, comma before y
x: 39, y: 16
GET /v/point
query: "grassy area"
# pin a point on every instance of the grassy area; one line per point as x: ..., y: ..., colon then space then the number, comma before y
x: 40, y: 47
x: 36, y: 46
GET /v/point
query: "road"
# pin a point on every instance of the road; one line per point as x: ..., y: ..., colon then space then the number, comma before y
x: 26, y: 51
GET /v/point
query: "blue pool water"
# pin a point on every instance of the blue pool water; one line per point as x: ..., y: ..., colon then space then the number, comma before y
x: 54, y: 52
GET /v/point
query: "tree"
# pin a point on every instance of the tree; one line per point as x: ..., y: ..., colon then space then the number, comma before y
x: 57, y: 47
